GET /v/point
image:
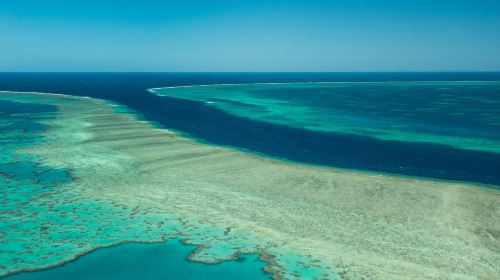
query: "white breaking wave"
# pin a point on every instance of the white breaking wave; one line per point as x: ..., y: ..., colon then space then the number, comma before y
x: 152, y: 90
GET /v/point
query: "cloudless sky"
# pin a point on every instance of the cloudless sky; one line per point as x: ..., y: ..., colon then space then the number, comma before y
x: 249, y: 35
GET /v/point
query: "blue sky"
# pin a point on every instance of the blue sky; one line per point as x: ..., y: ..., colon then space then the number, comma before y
x: 257, y: 35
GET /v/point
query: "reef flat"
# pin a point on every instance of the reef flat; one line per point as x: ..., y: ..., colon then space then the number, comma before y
x: 135, y: 181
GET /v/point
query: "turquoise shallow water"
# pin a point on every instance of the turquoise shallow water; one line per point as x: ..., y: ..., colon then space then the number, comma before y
x: 20, y: 126
x: 149, y: 261
x: 465, y: 115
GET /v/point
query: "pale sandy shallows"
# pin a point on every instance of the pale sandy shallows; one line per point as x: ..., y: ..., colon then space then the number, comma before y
x: 362, y: 225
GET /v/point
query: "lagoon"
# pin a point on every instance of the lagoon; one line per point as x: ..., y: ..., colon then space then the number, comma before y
x: 149, y: 261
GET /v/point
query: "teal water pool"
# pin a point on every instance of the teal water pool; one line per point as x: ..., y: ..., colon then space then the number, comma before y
x: 149, y: 261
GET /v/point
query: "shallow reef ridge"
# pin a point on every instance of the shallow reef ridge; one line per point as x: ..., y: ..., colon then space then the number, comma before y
x: 120, y: 178
x: 464, y: 115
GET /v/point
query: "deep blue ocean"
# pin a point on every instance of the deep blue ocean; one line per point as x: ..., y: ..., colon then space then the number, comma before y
x: 211, y: 125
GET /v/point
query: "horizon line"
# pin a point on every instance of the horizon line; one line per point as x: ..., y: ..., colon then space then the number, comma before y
x: 277, y: 72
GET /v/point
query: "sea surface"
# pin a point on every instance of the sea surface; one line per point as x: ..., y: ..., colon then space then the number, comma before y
x: 438, y: 126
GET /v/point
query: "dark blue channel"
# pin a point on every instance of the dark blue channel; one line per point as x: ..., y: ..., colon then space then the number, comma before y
x: 218, y: 127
